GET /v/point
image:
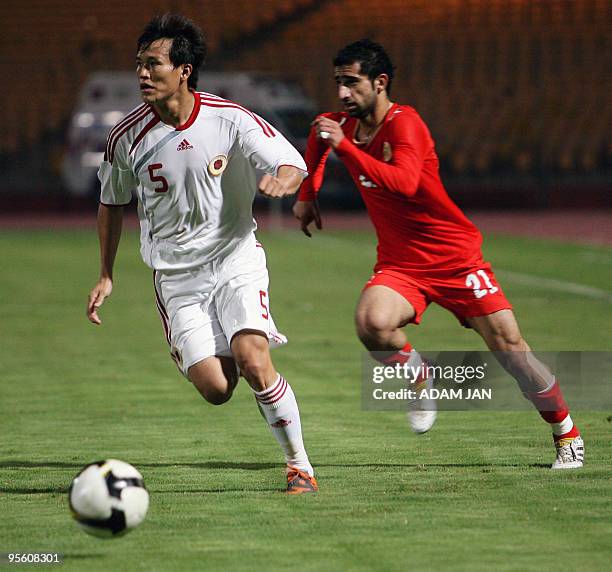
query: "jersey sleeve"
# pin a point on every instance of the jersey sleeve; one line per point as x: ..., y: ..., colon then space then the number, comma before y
x: 117, y: 181
x: 410, y: 142
x: 266, y: 148
x: 317, y: 152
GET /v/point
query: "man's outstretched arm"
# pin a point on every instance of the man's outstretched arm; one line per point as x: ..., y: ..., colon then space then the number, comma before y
x: 110, y: 222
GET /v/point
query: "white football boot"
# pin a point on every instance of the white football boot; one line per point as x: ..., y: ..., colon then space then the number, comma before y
x: 422, y: 411
x: 570, y: 453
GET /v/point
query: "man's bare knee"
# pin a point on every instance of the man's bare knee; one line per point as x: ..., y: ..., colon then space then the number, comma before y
x: 215, y: 397
x: 254, y: 365
x: 252, y: 354
x: 373, y: 327
x: 380, y: 315
x: 215, y: 379
x: 213, y: 391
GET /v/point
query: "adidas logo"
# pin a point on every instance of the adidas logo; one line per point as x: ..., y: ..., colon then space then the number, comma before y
x: 184, y: 145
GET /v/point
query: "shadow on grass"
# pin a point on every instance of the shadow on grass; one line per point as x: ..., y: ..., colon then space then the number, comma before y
x: 217, y: 490
x: 34, y: 490
x: 247, y: 466
x: 64, y: 490
x: 20, y: 464
x: 242, y: 466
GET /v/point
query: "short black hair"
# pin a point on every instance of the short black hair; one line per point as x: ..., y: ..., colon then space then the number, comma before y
x: 188, y: 41
x: 372, y: 56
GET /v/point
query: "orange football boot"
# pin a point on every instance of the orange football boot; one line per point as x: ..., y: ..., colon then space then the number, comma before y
x: 299, y: 482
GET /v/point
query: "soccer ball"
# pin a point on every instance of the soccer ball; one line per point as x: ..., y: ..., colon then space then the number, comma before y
x: 108, y: 498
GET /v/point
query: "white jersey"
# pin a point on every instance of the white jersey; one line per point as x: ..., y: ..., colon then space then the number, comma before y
x: 195, y: 183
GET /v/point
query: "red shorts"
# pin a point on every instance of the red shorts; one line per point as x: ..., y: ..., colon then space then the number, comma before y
x: 466, y: 293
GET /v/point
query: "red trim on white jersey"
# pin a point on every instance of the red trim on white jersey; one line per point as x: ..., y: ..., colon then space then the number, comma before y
x: 144, y: 131
x: 163, y: 315
x: 290, y: 165
x: 121, y: 123
x: 192, y: 116
x: 127, y: 118
x: 113, y: 145
x: 164, y: 325
x: 194, y: 112
x: 210, y: 100
x: 277, y: 338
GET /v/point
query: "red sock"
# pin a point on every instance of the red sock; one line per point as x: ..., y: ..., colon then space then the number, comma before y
x: 401, y: 356
x: 553, y: 409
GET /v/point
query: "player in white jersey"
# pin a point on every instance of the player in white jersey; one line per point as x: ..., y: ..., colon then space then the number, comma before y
x: 191, y: 158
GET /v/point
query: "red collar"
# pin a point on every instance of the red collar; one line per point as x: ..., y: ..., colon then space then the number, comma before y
x: 194, y: 112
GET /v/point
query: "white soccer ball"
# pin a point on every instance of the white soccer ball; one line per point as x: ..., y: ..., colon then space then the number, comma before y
x: 108, y: 498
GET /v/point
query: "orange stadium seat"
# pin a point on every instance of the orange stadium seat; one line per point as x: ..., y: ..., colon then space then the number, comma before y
x: 516, y: 82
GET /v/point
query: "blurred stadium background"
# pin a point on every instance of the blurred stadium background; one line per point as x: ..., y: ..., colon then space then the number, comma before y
x: 516, y: 92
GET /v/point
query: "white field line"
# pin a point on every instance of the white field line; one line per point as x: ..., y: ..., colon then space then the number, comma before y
x: 553, y: 284
x: 519, y: 278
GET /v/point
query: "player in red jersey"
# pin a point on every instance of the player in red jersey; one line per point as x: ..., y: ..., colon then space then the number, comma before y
x: 428, y: 250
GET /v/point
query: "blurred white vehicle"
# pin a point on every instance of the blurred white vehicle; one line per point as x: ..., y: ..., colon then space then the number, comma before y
x: 103, y: 101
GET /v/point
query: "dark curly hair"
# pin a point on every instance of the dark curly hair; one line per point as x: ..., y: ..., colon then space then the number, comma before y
x: 188, y: 42
x: 373, y: 58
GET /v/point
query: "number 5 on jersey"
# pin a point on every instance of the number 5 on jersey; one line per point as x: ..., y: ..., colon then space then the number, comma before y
x: 158, y: 178
x: 263, y: 295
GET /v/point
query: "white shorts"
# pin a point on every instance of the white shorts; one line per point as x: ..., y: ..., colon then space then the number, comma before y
x: 202, y: 309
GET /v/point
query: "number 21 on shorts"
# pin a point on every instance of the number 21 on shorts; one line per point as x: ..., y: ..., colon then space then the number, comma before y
x: 473, y: 280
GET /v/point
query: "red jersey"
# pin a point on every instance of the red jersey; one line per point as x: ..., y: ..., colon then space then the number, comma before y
x: 417, y: 224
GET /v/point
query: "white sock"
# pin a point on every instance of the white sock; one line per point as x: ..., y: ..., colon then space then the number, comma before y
x: 416, y: 364
x: 279, y: 407
x: 563, y: 427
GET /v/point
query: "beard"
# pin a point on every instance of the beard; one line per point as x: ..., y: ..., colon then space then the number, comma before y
x: 362, y: 111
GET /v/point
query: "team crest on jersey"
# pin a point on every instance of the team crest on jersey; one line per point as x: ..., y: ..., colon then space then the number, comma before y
x: 387, y: 152
x: 217, y: 165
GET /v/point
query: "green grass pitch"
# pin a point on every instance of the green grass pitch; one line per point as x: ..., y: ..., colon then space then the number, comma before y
x: 473, y: 494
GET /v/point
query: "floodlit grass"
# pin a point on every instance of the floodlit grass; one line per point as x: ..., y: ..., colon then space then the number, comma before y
x: 473, y: 494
